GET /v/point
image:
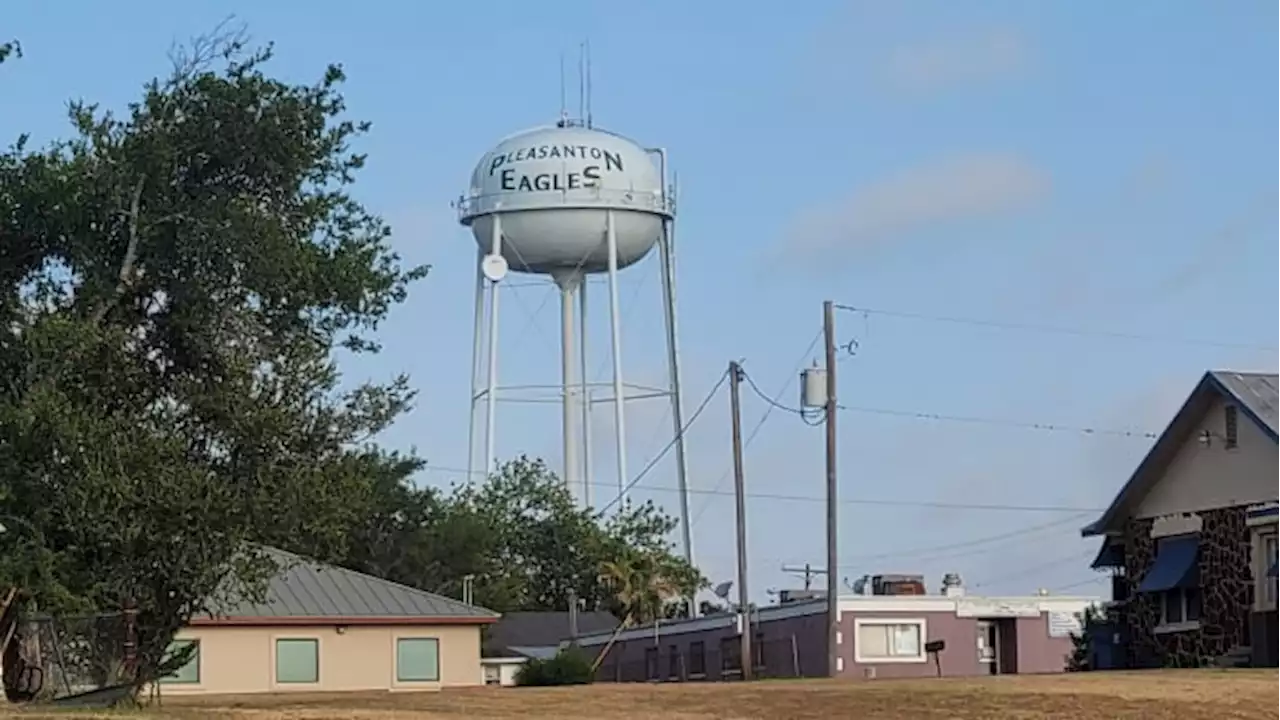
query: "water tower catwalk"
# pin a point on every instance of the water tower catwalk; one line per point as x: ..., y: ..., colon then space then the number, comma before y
x: 568, y: 201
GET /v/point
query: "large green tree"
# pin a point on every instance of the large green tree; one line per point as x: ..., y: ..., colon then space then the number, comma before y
x: 174, y: 280
x: 524, y: 542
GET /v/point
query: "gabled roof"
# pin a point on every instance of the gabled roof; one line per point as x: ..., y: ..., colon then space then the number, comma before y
x: 518, y: 631
x: 307, y: 592
x: 1254, y: 393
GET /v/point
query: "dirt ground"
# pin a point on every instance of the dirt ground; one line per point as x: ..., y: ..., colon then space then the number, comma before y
x: 1186, y: 695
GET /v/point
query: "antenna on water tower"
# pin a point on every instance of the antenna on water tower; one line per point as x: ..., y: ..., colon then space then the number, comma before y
x: 564, y: 104
x: 587, y: 50
x: 582, y: 80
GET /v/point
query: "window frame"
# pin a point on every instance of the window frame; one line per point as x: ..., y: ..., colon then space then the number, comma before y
x: 1230, y: 427
x: 170, y: 679
x: 698, y: 650
x: 890, y: 622
x: 730, y: 649
x: 275, y: 661
x: 652, y: 664
x: 1181, y: 599
x: 1266, y: 590
x: 400, y: 680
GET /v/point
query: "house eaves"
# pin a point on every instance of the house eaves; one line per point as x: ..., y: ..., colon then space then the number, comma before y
x: 1254, y: 393
x: 306, y: 592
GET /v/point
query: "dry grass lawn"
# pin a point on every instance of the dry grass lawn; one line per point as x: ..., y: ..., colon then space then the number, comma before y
x: 1186, y: 695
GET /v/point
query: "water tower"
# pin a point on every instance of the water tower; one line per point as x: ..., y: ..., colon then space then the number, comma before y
x: 568, y: 201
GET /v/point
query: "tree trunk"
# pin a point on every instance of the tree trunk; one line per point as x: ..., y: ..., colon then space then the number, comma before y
x: 626, y: 623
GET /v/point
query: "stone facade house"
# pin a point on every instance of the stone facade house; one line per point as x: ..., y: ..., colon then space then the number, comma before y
x: 1191, y: 537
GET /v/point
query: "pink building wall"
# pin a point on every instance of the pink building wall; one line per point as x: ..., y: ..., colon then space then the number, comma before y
x: 794, y: 641
x: 1036, y: 651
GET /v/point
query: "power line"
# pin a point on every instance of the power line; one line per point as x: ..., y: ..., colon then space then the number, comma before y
x: 663, y: 452
x: 1022, y: 424
x: 1090, y: 581
x: 1051, y: 329
x: 935, y: 549
x: 941, y: 552
x: 813, y: 418
x: 1031, y: 570
x: 755, y: 430
x: 784, y: 497
x: 939, y: 417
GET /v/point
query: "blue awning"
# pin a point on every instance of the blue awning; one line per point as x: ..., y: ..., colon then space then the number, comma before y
x: 1110, y: 555
x: 1176, y: 565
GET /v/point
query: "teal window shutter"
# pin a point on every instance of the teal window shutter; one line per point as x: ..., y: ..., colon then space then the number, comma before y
x: 297, y: 660
x: 417, y: 660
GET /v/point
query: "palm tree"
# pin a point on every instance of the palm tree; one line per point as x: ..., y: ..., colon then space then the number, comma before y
x: 641, y: 586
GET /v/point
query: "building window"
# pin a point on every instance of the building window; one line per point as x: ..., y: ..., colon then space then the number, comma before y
x: 417, y: 660
x: 297, y: 661
x: 651, y: 663
x: 1180, y: 605
x: 889, y: 640
x: 697, y: 659
x: 730, y: 654
x: 189, y: 673
x: 1265, y: 572
x: 1231, y: 426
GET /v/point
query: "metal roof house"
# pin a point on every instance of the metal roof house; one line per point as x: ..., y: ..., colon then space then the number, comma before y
x: 521, y: 636
x: 1191, y: 536
x: 322, y: 628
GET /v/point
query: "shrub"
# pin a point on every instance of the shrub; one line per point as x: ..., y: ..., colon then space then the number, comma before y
x: 570, y: 666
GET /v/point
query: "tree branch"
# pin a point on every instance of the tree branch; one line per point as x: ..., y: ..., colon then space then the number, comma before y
x: 126, y: 275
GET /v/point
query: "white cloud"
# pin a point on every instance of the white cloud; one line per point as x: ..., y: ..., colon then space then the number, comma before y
x: 959, y: 60
x: 954, y: 189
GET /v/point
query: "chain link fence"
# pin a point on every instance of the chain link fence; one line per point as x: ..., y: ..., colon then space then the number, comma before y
x: 57, y: 657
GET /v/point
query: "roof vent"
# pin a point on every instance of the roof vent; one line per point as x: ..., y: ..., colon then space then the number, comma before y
x: 952, y: 585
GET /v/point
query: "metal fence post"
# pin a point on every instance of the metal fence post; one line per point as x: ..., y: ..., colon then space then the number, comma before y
x: 131, y: 639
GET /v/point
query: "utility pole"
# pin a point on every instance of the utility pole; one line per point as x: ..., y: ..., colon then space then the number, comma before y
x: 573, y: 616
x: 807, y: 570
x: 833, y: 516
x: 740, y: 508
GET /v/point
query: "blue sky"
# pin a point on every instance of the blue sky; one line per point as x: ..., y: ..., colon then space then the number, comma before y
x: 1107, y: 166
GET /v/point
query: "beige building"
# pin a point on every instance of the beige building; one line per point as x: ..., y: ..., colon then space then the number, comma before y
x: 326, y: 629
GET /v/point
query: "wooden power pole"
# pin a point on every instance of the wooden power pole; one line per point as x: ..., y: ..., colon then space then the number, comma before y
x: 833, y: 516
x: 740, y: 513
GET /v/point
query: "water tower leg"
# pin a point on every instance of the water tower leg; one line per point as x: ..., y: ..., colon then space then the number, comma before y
x: 585, y: 394
x: 569, y: 385
x: 491, y: 387
x: 615, y: 326
x: 666, y: 252
x: 477, y: 341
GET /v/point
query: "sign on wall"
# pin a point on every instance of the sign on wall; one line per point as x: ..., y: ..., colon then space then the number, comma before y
x: 996, y: 609
x: 1063, y: 624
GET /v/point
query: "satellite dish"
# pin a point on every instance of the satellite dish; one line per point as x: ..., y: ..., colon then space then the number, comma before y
x: 722, y: 590
x: 494, y: 267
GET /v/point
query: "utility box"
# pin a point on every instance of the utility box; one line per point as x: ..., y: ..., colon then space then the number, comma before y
x: 813, y: 388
